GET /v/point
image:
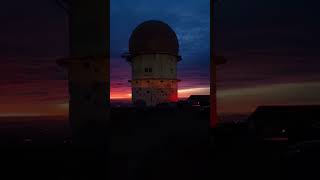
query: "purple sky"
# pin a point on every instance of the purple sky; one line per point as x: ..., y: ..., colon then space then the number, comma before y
x: 272, y: 49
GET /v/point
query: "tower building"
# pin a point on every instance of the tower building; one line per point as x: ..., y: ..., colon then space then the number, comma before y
x: 153, y: 56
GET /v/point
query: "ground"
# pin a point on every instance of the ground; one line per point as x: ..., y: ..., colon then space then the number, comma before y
x: 148, y: 144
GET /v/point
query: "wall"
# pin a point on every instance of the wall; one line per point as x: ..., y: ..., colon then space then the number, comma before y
x: 88, y: 70
x: 163, y: 66
x: 154, y: 92
x: 157, y: 86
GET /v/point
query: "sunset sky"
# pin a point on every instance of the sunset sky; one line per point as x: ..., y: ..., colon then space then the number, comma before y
x: 272, y: 49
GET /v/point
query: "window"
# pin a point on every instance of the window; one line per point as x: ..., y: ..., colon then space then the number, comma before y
x: 147, y: 69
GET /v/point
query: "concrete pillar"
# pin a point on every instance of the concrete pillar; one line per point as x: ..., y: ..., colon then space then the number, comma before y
x: 88, y: 70
x: 213, y: 63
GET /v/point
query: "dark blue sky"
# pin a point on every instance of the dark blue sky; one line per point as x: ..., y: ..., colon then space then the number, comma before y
x: 268, y: 41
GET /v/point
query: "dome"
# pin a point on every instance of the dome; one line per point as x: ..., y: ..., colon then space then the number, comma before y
x: 153, y: 37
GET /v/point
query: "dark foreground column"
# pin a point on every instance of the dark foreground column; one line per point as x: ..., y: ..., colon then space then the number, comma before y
x: 88, y: 70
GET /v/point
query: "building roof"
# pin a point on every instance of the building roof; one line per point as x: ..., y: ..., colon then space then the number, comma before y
x: 153, y: 37
x: 286, y: 113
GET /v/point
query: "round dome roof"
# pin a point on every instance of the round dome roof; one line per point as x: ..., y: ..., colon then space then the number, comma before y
x: 153, y: 37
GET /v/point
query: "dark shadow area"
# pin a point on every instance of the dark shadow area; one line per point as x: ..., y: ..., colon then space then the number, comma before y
x: 172, y: 143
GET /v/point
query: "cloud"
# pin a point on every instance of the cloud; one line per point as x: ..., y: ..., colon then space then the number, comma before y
x: 190, y: 20
x: 268, y: 69
x: 248, y: 99
x: 24, y: 69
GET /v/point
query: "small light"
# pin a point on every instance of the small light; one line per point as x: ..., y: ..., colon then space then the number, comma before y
x: 27, y: 140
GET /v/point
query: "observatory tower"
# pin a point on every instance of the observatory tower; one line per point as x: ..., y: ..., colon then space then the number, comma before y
x: 153, y: 55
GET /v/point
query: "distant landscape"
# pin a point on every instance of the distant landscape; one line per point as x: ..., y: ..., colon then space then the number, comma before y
x: 54, y: 129
x: 42, y: 130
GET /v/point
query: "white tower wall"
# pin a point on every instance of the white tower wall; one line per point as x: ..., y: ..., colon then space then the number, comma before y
x: 163, y: 66
x: 154, y: 78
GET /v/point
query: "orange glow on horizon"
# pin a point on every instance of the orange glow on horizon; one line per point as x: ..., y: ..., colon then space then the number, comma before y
x: 235, y: 100
x: 33, y: 109
x: 126, y: 96
x: 185, y: 93
x: 182, y: 93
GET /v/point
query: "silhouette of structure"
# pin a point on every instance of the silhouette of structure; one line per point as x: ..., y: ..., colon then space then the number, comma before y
x: 214, y: 61
x: 88, y: 69
x: 294, y: 123
x: 201, y: 100
x: 153, y: 55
